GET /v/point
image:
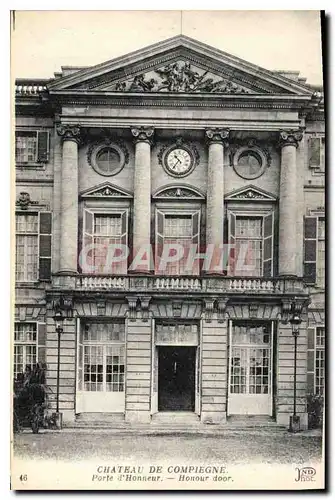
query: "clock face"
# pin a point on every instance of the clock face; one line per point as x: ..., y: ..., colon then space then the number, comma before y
x: 179, y: 161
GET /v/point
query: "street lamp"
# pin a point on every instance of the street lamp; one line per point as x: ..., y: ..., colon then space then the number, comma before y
x: 295, y: 321
x: 58, y: 318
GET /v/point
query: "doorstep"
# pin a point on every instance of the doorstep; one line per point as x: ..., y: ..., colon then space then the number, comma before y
x: 171, y: 423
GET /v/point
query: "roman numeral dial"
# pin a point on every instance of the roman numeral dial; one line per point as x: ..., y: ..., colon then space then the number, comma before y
x: 179, y: 161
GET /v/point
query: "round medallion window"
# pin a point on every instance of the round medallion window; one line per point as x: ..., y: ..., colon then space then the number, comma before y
x: 249, y: 163
x: 107, y: 159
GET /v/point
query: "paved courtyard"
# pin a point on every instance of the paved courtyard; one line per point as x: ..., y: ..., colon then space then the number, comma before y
x: 234, y: 447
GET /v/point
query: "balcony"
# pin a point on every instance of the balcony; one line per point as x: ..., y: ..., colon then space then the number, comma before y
x: 160, y: 285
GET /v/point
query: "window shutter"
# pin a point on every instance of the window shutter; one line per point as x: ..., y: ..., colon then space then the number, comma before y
x: 231, y: 243
x: 314, y: 146
x: 268, y: 245
x: 195, y: 238
x: 123, y: 239
x: 159, y: 238
x: 41, y: 343
x: 45, y: 245
x: 310, y: 360
x: 86, y: 260
x: 43, y: 146
x: 310, y: 246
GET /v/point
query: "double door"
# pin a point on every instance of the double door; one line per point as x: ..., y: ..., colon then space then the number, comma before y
x: 100, y: 369
x: 250, y: 368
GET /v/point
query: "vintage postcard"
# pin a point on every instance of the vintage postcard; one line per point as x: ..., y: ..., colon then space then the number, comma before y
x: 169, y: 323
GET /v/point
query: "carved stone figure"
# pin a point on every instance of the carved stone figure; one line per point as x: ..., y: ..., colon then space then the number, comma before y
x: 179, y: 77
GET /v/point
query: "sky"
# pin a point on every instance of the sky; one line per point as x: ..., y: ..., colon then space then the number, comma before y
x: 43, y: 41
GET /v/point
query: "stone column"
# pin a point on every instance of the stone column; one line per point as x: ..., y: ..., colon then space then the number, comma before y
x: 69, y: 200
x: 288, y: 202
x: 142, y: 190
x: 215, y: 191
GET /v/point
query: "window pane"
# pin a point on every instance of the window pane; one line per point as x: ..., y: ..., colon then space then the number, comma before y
x: 26, y: 146
x: 25, y: 349
x: 108, y: 233
x: 25, y: 332
x: 26, y: 247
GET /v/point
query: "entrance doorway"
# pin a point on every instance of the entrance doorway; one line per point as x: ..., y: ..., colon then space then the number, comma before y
x: 176, y: 378
x: 250, y: 368
x: 100, y: 367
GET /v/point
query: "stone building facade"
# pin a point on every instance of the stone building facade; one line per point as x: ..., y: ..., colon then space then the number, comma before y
x: 177, y: 142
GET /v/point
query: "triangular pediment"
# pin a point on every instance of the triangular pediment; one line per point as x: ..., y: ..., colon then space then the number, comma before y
x: 178, y: 65
x: 106, y: 190
x: 178, y: 192
x: 250, y: 193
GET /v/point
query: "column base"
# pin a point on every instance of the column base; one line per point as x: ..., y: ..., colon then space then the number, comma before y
x: 213, y: 417
x: 138, y: 417
x: 284, y: 419
x: 68, y: 417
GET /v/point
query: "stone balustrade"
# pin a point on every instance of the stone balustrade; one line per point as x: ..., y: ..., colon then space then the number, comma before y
x: 33, y: 89
x: 194, y: 285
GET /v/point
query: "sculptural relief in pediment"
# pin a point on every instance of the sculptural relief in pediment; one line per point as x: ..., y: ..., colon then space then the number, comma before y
x: 179, y: 76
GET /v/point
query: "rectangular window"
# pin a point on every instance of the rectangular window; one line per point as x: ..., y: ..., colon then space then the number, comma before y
x: 177, y: 233
x: 320, y: 272
x: 107, y: 232
x: 178, y: 230
x: 105, y: 239
x: 102, y: 357
x: 25, y: 347
x: 32, y: 146
x: 26, y: 247
x: 26, y: 147
x: 249, y: 245
x: 319, y: 360
x: 317, y: 153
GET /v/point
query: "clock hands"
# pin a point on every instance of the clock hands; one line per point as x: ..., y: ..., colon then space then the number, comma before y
x: 178, y: 161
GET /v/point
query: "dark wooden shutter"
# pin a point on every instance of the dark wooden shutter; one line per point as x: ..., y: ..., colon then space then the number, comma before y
x: 41, y: 343
x: 87, y: 254
x: 43, y: 146
x: 310, y: 245
x: 195, y: 239
x: 268, y: 245
x: 45, y: 245
x: 159, y: 238
x: 314, y: 150
x: 310, y: 360
x: 232, y: 254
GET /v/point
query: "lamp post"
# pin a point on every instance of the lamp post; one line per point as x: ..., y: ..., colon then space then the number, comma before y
x: 58, y: 318
x: 295, y: 321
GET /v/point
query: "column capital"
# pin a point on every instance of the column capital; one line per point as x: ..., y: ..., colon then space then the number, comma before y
x: 142, y: 134
x: 219, y: 135
x: 69, y: 132
x: 290, y: 137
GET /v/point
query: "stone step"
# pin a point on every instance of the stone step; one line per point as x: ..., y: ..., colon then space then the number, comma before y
x: 95, y: 417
